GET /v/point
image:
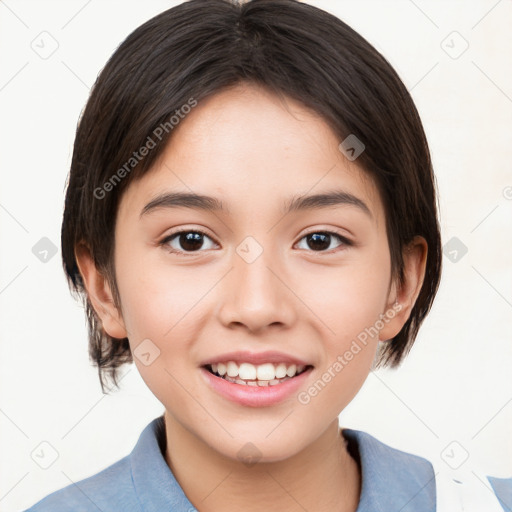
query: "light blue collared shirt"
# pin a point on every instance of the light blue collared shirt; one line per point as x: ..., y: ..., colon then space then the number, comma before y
x: 392, y: 481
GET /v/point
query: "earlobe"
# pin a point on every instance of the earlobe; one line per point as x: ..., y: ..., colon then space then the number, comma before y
x: 100, y: 294
x: 403, y: 296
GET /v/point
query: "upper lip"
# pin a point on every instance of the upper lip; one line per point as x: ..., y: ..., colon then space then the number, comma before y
x: 256, y: 358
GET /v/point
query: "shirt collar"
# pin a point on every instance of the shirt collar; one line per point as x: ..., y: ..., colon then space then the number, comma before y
x: 391, y: 479
x: 154, y: 483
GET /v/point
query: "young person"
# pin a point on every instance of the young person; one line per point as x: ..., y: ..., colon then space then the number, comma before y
x: 251, y: 218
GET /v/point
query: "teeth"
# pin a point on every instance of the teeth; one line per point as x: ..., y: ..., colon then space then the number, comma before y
x: 258, y: 383
x: 265, y: 371
x: 291, y: 371
x: 266, y: 374
x: 232, y: 369
x: 280, y: 371
x: 247, y: 371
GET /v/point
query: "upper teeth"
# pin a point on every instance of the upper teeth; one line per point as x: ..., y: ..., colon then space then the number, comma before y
x: 248, y: 371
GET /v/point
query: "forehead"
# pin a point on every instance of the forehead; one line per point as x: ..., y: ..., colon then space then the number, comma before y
x: 250, y: 147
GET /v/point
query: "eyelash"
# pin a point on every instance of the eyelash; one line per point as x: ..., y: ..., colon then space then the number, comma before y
x: 164, y: 243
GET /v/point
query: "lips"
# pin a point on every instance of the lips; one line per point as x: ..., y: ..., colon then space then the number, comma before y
x: 255, y: 392
x: 256, y: 395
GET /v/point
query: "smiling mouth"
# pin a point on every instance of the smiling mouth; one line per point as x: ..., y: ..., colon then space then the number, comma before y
x: 264, y: 375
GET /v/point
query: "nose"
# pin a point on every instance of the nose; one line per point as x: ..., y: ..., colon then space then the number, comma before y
x: 255, y: 294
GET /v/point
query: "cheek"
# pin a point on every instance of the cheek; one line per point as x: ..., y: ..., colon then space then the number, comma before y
x: 158, y: 299
x: 349, y: 299
x: 167, y: 305
x: 162, y: 310
x: 347, y: 309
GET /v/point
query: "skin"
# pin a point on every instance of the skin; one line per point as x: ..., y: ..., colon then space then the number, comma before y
x: 254, y: 151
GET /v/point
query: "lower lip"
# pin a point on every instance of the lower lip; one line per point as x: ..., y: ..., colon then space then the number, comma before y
x: 255, y: 396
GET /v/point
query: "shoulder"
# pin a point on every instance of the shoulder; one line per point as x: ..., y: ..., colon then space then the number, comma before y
x: 396, y: 480
x: 503, y: 489
x: 140, y: 478
x: 383, y: 456
x: 391, y: 478
x: 98, y: 492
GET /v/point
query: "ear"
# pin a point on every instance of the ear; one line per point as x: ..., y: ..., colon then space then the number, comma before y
x: 402, y: 297
x: 100, y: 294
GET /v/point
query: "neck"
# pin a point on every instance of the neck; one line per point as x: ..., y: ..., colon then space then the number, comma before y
x: 322, y: 477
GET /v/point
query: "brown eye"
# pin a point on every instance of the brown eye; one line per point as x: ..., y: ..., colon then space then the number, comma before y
x: 186, y: 241
x: 320, y: 241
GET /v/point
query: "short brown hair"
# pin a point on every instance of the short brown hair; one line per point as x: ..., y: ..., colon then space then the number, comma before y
x: 294, y: 49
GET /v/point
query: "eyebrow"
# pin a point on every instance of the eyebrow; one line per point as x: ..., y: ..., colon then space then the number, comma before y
x: 296, y: 203
x: 325, y: 200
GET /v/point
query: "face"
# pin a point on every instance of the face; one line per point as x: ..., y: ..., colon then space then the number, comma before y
x: 310, y: 285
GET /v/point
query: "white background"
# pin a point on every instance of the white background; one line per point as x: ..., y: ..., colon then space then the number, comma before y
x: 456, y: 385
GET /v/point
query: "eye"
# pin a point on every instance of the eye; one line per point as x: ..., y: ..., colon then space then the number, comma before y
x: 319, y: 241
x: 185, y: 241
x: 189, y: 241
